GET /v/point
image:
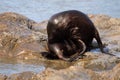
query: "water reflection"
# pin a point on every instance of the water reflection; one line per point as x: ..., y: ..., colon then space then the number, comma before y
x: 9, y: 69
x: 39, y: 10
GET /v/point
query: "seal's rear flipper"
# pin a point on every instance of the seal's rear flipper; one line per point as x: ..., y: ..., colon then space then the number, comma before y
x: 97, y: 37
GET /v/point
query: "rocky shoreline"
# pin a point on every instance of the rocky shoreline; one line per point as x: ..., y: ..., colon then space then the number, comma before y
x: 24, y: 39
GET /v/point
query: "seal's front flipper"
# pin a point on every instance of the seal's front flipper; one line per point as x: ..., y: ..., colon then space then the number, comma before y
x: 80, y: 52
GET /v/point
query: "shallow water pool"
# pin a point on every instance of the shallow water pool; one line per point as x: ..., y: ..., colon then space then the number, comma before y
x: 9, y: 69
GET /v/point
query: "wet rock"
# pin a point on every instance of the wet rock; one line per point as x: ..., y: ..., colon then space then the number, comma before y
x: 24, y: 39
x: 40, y: 27
x: 76, y: 71
x: 3, y: 77
x: 113, y: 74
x: 73, y: 72
x: 98, y: 62
x: 14, y: 19
x: 79, y: 73
x: 18, y: 39
x: 22, y: 76
x: 109, y: 29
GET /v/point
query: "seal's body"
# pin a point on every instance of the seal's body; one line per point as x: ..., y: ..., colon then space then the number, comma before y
x: 71, y: 32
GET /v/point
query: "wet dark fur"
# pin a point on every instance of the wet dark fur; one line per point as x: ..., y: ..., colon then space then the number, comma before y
x: 71, y: 33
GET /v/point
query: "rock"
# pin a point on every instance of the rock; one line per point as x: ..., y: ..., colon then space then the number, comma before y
x: 17, y: 38
x: 98, y: 62
x: 3, y: 77
x: 113, y: 74
x: 40, y: 27
x: 24, y: 39
x: 22, y: 76
x: 14, y: 19
x: 79, y: 73
x: 109, y: 29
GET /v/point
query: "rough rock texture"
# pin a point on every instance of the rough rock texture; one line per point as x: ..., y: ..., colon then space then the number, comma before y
x: 22, y: 76
x: 78, y: 73
x: 3, y: 77
x: 24, y: 39
x: 17, y: 39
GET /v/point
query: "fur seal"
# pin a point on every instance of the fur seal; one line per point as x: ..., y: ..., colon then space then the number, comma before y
x: 70, y: 34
